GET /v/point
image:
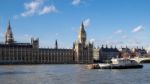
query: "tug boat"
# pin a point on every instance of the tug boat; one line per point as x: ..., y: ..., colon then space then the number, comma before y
x: 118, y: 63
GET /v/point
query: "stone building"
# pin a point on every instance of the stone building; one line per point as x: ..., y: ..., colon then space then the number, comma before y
x: 12, y: 52
x: 96, y: 55
x: 139, y: 52
x: 106, y: 54
x: 125, y: 52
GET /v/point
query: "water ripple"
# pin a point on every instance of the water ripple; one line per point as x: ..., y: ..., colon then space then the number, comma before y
x: 14, y: 72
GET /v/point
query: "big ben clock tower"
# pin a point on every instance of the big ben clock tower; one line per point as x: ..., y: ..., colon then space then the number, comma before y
x: 83, y: 50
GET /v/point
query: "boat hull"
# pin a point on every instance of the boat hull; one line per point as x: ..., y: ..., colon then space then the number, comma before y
x: 117, y: 66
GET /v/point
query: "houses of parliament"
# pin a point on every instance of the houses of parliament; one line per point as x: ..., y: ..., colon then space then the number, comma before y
x: 12, y: 52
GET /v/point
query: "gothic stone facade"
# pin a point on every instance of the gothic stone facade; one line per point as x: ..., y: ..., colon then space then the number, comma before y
x: 12, y: 52
x: 106, y: 54
x: 139, y: 52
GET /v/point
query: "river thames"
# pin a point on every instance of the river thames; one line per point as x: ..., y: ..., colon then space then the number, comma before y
x: 71, y: 74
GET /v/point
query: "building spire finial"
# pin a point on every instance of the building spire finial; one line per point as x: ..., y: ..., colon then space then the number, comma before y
x: 9, y: 21
x: 9, y: 25
x: 56, y: 44
x: 102, y: 46
x: 82, y: 27
x: 106, y: 46
x: 82, y: 24
x: 126, y: 46
x: 82, y: 34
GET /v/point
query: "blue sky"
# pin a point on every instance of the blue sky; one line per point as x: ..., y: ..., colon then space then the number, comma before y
x: 112, y: 22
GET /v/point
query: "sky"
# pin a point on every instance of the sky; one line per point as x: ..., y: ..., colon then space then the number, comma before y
x: 108, y: 22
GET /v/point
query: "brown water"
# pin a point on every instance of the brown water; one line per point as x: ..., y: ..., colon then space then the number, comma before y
x: 71, y: 74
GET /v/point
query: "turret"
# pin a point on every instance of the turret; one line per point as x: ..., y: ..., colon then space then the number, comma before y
x: 106, y: 46
x: 102, y: 46
x: 9, y: 35
x: 137, y: 47
x: 35, y: 42
x: 73, y: 45
x: 126, y: 47
x: 142, y: 48
x: 56, y: 45
x: 111, y: 47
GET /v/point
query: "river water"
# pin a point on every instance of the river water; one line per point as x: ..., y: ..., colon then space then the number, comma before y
x: 71, y: 74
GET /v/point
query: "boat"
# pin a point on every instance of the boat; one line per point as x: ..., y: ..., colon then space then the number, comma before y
x: 118, y: 63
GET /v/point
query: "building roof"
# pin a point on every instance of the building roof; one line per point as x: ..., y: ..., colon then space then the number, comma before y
x: 109, y: 49
x: 23, y: 45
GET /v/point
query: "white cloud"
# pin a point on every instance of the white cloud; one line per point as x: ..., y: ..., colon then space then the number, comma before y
x: 32, y: 7
x: 36, y: 7
x: 138, y: 29
x: 86, y: 22
x: 76, y: 2
x: 118, y: 31
x: 92, y: 40
x: 48, y: 9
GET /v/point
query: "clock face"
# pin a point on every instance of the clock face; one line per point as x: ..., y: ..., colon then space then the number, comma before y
x: 82, y: 36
